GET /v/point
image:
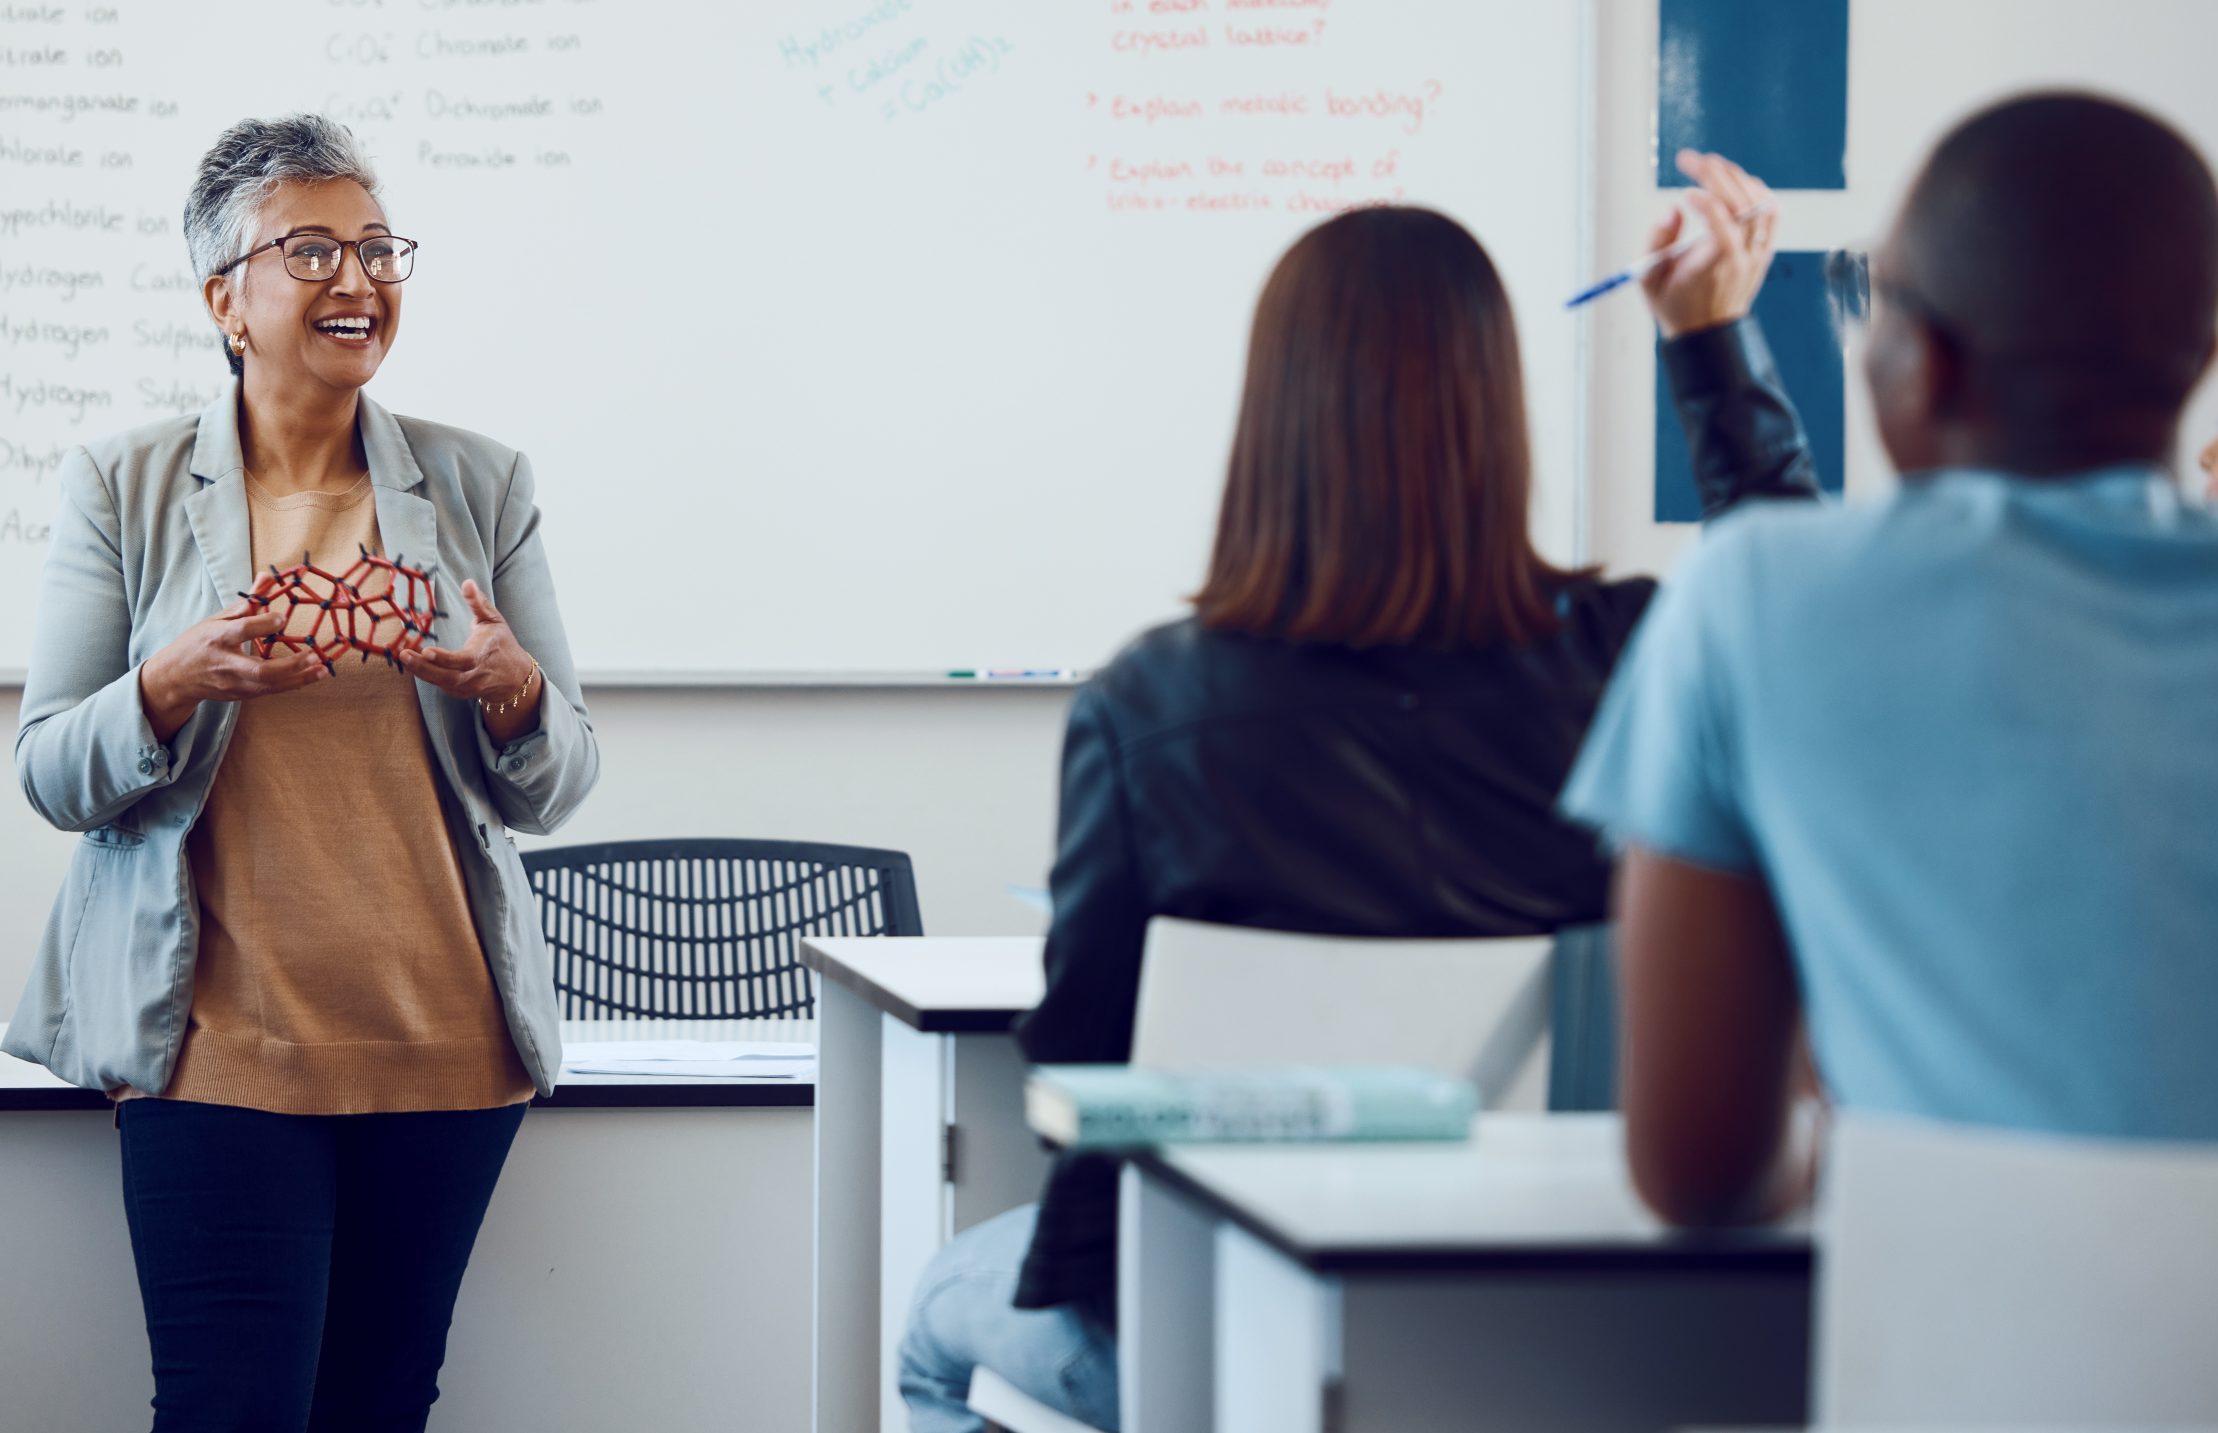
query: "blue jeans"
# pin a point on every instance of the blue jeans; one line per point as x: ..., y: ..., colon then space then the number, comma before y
x: 962, y: 1318
x: 299, y: 1271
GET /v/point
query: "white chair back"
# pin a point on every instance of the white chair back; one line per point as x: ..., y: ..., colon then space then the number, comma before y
x: 1974, y: 1276
x: 1003, y: 1405
x: 1226, y: 996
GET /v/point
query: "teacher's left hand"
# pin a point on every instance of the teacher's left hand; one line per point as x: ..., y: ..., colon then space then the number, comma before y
x: 490, y: 666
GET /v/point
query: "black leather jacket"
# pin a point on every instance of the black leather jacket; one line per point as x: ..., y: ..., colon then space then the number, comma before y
x: 1379, y: 792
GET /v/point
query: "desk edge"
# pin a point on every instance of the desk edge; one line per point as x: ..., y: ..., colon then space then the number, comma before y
x: 1766, y: 1253
x: 940, y: 1020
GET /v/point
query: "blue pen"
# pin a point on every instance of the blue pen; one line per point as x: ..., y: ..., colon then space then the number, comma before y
x: 1649, y: 261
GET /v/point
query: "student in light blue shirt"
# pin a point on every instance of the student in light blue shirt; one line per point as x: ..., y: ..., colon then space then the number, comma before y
x: 1935, y: 777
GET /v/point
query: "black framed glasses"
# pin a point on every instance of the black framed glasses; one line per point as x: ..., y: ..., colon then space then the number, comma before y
x: 315, y: 258
x: 1848, y: 290
x: 1856, y: 296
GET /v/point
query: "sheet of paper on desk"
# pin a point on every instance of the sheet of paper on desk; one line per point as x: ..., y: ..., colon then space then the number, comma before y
x: 693, y: 1059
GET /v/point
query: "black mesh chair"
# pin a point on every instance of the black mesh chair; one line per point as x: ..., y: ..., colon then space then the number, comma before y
x: 707, y: 929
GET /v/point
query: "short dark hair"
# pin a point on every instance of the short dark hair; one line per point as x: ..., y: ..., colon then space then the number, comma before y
x: 2068, y: 244
x: 1380, y: 483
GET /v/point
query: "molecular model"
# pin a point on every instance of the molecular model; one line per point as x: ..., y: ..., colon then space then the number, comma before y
x: 379, y: 607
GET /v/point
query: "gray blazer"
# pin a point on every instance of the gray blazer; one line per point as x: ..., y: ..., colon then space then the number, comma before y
x: 151, y: 538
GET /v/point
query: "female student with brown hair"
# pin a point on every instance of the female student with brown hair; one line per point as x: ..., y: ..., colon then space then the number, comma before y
x: 1363, y: 727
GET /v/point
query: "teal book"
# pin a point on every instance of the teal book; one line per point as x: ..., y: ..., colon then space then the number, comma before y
x: 1110, y: 1106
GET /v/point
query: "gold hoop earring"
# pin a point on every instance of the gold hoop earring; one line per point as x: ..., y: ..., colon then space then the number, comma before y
x: 238, y: 343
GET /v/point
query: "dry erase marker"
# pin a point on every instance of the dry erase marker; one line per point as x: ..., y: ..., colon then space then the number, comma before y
x: 1647, y: 262
x: 1014, y: 674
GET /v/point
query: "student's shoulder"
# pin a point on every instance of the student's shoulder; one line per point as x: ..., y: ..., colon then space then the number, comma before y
x: 1157, y: 670
x: 1759, y: 581
x: 1599, y: 614
x: 1767, y: 548
x: 1182, y: 672
x: 1793, y: 526
x: 1731, y: 550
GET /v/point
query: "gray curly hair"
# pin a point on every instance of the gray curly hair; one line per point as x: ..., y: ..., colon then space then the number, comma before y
x: 239, y: 172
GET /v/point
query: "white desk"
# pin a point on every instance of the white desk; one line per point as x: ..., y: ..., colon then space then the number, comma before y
x: 1513, y: 1282
x: 644, y: 1263
x: 920, y: 1134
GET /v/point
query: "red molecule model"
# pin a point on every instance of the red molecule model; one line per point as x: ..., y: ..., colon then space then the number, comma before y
x: 379, y: 607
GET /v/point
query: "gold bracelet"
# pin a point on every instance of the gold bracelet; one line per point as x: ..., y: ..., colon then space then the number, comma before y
x: 508, y: 704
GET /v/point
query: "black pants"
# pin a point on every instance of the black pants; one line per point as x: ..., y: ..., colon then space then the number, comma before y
x: 299, y: 1271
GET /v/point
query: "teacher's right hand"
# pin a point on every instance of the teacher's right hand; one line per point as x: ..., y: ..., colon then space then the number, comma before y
x: 211, y: 661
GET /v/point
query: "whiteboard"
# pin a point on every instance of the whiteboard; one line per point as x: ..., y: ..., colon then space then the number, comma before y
x: 913, y: 329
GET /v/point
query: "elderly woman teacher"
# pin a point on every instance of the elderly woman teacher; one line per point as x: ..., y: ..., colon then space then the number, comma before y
x: 295, y: 943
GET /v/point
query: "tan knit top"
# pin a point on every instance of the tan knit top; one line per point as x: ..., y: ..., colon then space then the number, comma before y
x: 339, y: 972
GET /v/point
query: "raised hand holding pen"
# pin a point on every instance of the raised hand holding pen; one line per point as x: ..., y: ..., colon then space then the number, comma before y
x: 491, y: 668
x: 1715, y: 281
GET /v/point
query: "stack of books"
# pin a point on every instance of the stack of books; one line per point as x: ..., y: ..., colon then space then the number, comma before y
x: 1112, y: 1106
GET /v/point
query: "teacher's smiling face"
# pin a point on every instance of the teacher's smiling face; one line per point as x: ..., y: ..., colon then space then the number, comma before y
x: 316, y: 300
